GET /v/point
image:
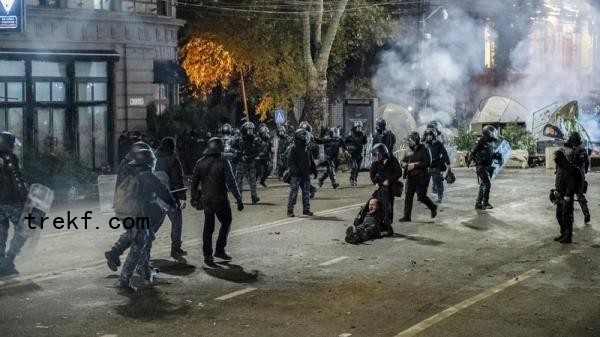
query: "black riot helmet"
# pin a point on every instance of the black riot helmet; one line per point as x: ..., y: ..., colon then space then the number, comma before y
x: 380, y: 152
x: 305, y: 125
x: 490, y: 133
x: 333, y: 132
x: 144, y: 158
x: 226, y: 129
x: 301, y: 137
x: 429, y: 135
x: 263, y: 131
x: 7, y: 141
x: 413, y: 140
x: 135, y: 148
x: 282, y: 131
x: 214, y: 146
x: 574, y: 139
x: 380, y: 125
x: 247, y: 129
x: 357, y: 127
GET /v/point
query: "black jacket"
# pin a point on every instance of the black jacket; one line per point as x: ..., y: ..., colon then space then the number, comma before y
x: 421, y: 158
x: 246, y: 149
x: 579, y: 157
x: 151, y: 187
x: 13, y: 189
x: 331, y: 146
x: 483, y: 153
x: 567, y: 180
x: 439, y: 155
x: 386, y: 138
x: 390, y: 171
x: 168, y: 162
x: 355, y: 144
x: 300, y: 161
x: 212, y: 178
x: 266, y: 149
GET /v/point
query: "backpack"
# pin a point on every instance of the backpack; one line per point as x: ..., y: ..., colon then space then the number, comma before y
x: 127, y: 195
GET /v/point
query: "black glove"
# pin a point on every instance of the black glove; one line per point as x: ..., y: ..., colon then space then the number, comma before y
x: 315, y: 175
x: 240, y: 206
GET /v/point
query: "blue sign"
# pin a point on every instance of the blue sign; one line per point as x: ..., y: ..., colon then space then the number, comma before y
x: 280, y: 117
x: 12, y: 16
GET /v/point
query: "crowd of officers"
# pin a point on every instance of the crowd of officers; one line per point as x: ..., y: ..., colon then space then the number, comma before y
x: 233, y: 157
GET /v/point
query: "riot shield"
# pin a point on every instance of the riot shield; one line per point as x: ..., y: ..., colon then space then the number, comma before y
x: 106, y: 192
x: 38, y: 204
x: 504, y: 150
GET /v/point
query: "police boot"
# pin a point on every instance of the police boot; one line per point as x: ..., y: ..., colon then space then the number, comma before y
x: 566, y: 239
x: 560, y: 237
x: 478, y: 205
x: 126, y: 286
x: 321, y: 182
x: 112, y: 259
x: 255, y: 200
x: 586, y: 213
x: 335, y: 185
x: 263, y: 183
x: 209, y: 261
x: 177, y: 252
x: 8, y: 266
x: 487, y: 206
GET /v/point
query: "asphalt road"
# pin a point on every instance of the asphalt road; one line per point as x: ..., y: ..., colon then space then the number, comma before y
x: 465, y: 273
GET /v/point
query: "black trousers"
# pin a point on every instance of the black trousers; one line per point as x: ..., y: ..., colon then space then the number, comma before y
x: 416, y: 184
x: 386, y: 200
x: 221, y: 211
x: 485, y: 184
x: 564, y: 215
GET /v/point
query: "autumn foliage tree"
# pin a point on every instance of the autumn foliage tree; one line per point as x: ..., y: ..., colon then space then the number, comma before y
x: 207, y: 65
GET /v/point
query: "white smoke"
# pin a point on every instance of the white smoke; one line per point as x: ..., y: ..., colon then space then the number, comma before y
x: 451, y: 53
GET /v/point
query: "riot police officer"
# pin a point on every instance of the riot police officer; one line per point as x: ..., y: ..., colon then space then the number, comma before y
x: 264, y: 164
x: 384, y: 136
x: 313, y: 147
x: 385, y: 172
x: 484, y: 154
x: 331, y: 145
x: 13, y: 195
x: 440, y: 162
x: 577, y: 155
x: 283, y: 141
x: 300, y: 165
x: 355, y: 143
x: 415, y: 164
x: 247, y: 149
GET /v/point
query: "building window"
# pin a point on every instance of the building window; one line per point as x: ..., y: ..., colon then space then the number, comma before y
x: 161, y: 97
x: 102, y: 4
x: 91, y: 101
x: 49, y: 3
x: 49, y: 92
x: 12, y: 98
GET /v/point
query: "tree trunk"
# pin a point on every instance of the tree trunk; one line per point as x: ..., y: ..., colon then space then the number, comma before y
x: 315, y: 103
x: 317, y: 63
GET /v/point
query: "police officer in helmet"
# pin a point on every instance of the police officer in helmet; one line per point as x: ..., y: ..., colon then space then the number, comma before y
x: 484, y: 154
x: 578, y: 156
x: 247, y: 150
x: 13, y: 195
x: 355, y: 143
x: 384, y: 136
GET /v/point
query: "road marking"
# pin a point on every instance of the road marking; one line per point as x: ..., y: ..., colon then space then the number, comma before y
x: 54, y: 274
x: 332, y: 261
x: 235, y: 293
x: 345, y: 335
x: 429, y: 322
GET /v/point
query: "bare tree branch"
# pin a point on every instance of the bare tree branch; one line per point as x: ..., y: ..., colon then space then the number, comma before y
x: 323, y: 56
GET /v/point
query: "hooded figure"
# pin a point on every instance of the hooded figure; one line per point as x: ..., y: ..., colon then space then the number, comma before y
x: 578, y: 156
x: 355, y: 143
x: 300, y: 164
x: 566, y: 184
x: 483, y: 154
x: 385, y: 172
x: 247, y: 150
x: 212, y: 179
x: 168, y: 162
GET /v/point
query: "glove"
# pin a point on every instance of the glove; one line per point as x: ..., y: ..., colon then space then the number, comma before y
x: 240, y: 206
x: 315, y: 175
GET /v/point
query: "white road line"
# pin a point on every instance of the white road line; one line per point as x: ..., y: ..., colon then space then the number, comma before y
x: 345, y: 335
x: 332, y: 261
x: 235, y: 293
x: 429, y: 322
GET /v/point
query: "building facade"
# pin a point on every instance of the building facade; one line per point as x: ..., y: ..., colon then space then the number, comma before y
x: 83, y: 71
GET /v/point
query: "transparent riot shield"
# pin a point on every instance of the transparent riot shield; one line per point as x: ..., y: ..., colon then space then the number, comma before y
x: 504, y: 150
x: 106, y: 192
x: 38, y: 204
x: 164, y: 178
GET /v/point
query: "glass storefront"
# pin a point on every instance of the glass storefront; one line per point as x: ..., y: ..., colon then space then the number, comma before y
x: 66, y: 108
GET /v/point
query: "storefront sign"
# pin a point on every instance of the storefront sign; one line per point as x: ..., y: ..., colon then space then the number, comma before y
x: 12, y: 16
x: 136, y: 101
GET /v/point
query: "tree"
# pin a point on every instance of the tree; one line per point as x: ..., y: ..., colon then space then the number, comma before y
x: 317, y: 49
